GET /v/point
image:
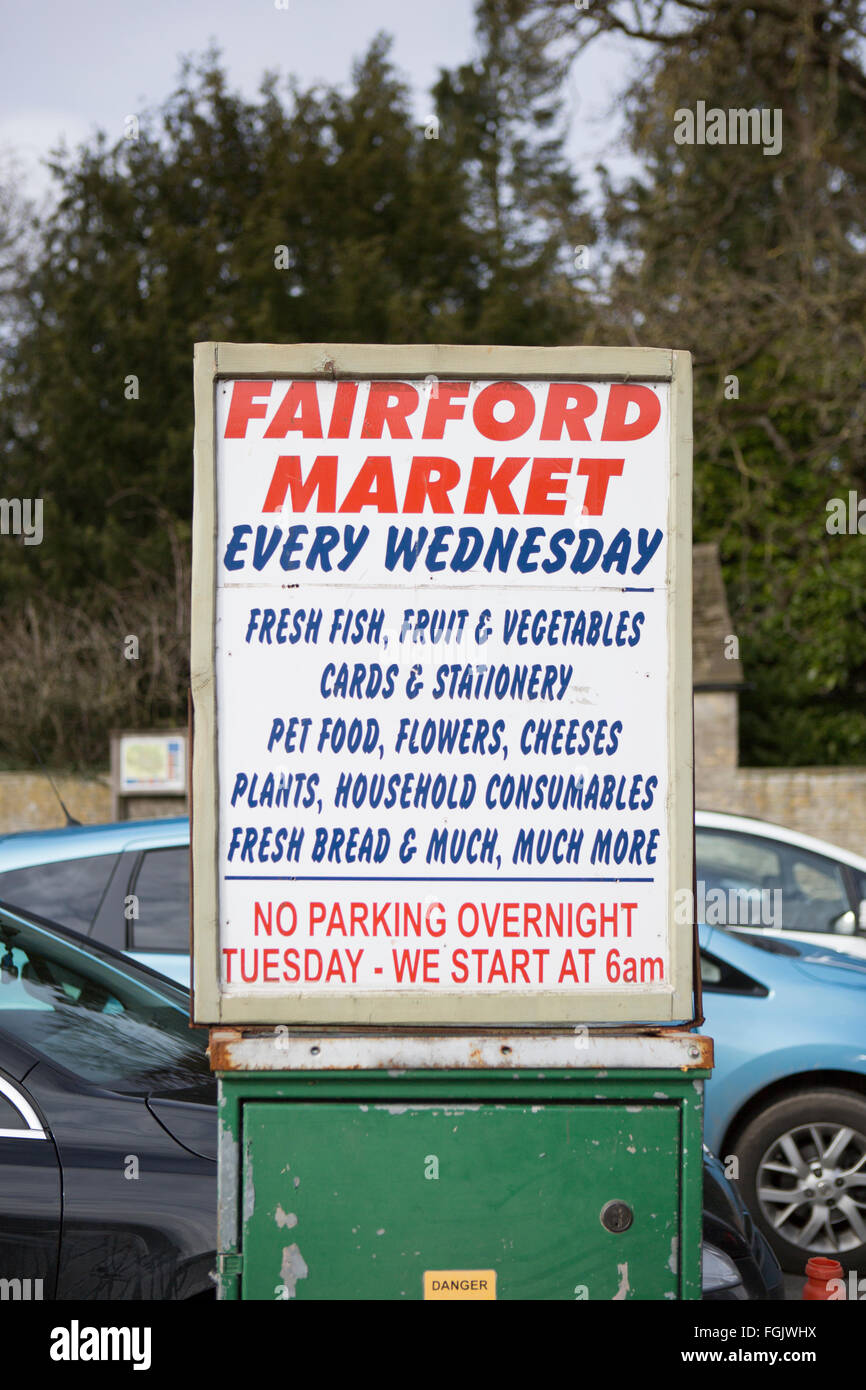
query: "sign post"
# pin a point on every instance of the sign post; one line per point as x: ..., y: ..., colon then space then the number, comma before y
x: 442, y: 806
x: 149, y: 765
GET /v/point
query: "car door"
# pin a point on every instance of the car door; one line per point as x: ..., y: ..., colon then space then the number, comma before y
x: 139, y: 1208
x: 30, y: 1196
x: 736, y: 1014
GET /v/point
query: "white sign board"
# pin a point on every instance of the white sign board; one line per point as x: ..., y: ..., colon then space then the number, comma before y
x: 452, y: 753
x: 151, y: 764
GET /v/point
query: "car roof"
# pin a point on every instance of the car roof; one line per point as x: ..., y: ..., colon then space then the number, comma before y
x: 28, y: 847
x: 750, y: 825
x: 23, y: 848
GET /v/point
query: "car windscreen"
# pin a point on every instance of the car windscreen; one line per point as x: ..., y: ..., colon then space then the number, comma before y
x: 111, y: 1027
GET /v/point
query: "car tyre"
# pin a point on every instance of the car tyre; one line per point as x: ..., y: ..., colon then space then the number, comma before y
x: 802, y: 1174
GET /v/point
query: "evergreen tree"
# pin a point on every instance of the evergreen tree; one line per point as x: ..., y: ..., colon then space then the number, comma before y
x: 754, y: 261
x: 303, y: 215
x: 503, y: 113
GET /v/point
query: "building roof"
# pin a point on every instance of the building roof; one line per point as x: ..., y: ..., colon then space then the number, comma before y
x: 711, y: 625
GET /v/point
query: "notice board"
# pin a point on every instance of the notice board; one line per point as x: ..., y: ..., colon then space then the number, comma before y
x: 441, y: 677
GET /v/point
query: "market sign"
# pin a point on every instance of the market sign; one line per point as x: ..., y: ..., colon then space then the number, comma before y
x: 442, y: 685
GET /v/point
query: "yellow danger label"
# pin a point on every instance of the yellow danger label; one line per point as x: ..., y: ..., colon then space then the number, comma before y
x: 459, y: 1283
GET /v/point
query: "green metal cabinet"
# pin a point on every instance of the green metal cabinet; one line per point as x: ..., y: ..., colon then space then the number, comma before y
x: 547, y: 1182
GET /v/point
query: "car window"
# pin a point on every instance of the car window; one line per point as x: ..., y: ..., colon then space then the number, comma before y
x: 747, y: 881
x: 161, y: 901
x: 93, y: 1018
x: 68, y: 891
x: 717, y: 976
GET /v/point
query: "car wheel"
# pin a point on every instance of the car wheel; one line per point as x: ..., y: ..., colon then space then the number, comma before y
x: 802, y: 1174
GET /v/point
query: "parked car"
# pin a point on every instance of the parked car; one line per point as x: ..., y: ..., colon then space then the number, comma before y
x: 787, y: 1097
x: 108, y: 1135
x: 737, y: 1262
x: 107, y: 1125
x: 125, y: 885
x: 787, y: 1012
x: 764, y: 878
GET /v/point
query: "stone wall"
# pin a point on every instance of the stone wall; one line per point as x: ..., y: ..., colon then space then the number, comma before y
x: 716, y: 729
x: 27, y: 802
x: 828, y: 802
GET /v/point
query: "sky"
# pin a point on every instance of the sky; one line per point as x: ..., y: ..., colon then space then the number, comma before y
x: 69, y: 69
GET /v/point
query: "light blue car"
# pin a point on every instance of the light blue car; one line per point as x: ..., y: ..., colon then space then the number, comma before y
x: 126, y: 885
x: 786, y: 1105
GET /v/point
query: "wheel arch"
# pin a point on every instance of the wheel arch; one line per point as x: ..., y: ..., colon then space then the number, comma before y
x: 788, y: 1086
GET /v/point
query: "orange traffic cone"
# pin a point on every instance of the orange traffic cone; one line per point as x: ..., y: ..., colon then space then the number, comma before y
x: 819, y: 1272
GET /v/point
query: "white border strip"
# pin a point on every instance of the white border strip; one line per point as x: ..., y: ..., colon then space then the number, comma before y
x: 34, y: 1128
